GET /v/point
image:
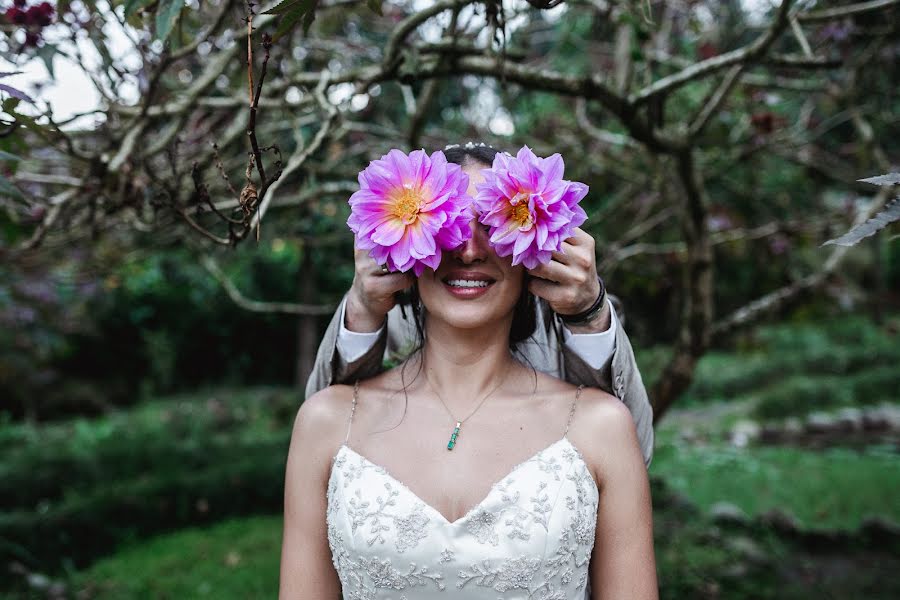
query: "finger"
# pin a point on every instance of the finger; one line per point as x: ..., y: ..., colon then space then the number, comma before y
x: 582, y: 258
x: 580, y: 237
x: 364, y: 263
x: 551, y: 271
x: 564, y: 254
x: 394, y: 282
x: 548, y: 290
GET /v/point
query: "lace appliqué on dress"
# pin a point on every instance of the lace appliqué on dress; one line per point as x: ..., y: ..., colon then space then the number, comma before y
x: 531, y: 537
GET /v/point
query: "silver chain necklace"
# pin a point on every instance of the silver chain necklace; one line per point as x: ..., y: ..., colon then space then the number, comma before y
x: 452, y: 442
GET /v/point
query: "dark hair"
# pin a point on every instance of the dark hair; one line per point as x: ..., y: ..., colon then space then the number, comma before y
x: 471, y: 153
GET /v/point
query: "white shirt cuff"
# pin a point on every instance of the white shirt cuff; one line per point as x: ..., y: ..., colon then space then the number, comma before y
x: 594, y: 348
x: 352, y: 345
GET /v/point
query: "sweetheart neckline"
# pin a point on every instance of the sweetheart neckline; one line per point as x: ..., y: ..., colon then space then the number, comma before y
x: 443, y: 519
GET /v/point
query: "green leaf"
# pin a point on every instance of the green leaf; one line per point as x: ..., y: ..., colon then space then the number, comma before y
x: 375, y: 6
x: 9, y: 105
x: 292, y: 11
x: 8, y: 189
x: 47, y: 52
x: 166, y: 14
x: 132, y: 6
x: 890, y: 214
x: 888, y: 179
x: 283, y: 7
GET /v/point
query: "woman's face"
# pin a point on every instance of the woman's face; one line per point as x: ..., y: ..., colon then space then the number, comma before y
x: 472, y: 286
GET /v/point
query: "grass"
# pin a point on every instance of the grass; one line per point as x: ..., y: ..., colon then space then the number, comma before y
x: 235, y: 559
x: 834, y: 489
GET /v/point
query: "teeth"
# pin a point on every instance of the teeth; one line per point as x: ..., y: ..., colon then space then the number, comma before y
x: 466, y: 283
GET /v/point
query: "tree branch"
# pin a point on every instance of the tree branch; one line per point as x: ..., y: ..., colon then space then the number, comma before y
x: 746, y: 54
x: 831, y: 14
x: 238, y: 298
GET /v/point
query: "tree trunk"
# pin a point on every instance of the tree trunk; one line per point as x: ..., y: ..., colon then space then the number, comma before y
x: 307, y: 330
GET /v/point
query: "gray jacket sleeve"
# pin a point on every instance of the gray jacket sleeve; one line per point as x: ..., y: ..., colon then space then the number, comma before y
x: 330, y: 368
x: 395, y: 342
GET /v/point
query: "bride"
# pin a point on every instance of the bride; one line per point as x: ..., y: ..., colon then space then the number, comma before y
x: 463, y: 472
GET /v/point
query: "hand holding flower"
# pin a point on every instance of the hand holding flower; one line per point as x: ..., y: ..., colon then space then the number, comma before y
x: 529, y: 207
x: 569, y: 281
x: 372, y: 293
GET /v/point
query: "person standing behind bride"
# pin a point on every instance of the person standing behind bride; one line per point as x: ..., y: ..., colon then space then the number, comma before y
x: 463, y: 472
x: 570, y: 341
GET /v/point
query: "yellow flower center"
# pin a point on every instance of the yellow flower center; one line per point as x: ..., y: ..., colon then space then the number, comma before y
x: 519, y: 211
x: 407, y: 204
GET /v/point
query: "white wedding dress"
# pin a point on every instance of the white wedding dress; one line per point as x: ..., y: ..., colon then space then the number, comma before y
x: 530, y: 538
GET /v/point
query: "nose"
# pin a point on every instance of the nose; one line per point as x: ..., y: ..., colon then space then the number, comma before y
x: 475, y: 248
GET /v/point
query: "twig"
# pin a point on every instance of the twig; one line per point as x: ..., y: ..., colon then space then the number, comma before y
x: 831, y: 14
x: 409, y: 24
x: 800, y: 37
x: 238, y: 298
x: 297, y: 160
x: 715, y: 101
x: 706, y: 67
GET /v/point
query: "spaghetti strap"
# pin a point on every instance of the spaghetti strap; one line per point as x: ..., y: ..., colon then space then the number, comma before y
x: 352, y: 410
x: 572, y: 409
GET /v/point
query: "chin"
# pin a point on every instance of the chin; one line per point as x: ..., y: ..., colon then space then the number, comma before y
x: 485, y: 311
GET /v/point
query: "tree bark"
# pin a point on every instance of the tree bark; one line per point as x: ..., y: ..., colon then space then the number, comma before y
x: 306, y: 325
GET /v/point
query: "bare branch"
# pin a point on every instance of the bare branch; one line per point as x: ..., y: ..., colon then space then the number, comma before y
x: 831, y: 14
x: 791, y: 61
x: 298, y: 159
x: 715, y: 101
x: 409, y: 24
x: 238, y: 298
x: 606, y: 138
x: 746, y: 54
x: 800, y: 37
x: 622, y: 54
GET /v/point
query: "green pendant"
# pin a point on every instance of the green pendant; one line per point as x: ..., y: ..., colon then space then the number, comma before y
x: 453, y: 435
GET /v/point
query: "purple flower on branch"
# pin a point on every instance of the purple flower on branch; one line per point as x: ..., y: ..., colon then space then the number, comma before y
x: 409, y: 209
x: 529, y: 207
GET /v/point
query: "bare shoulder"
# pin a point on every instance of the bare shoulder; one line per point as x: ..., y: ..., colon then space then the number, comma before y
x: 604, y: 431
x: 598, y: 412
x: 322, y: 419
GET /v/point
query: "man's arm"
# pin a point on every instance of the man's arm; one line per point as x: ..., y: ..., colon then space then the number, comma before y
x: 364, y: 309
x: 331, y: 367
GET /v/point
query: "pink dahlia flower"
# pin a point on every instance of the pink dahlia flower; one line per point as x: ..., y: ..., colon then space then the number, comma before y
x: 410, y: 208
x: 529, y: 207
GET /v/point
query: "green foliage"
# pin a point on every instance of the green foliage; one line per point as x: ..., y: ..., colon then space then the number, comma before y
x: 695, y: 559
x: 800, y: 395
x: 131, y: 6
x: 167, y: 12
x: 74, y: 491
x: 795, y: 369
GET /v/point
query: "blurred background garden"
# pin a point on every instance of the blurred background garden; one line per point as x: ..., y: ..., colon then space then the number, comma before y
x: 173, y: 241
